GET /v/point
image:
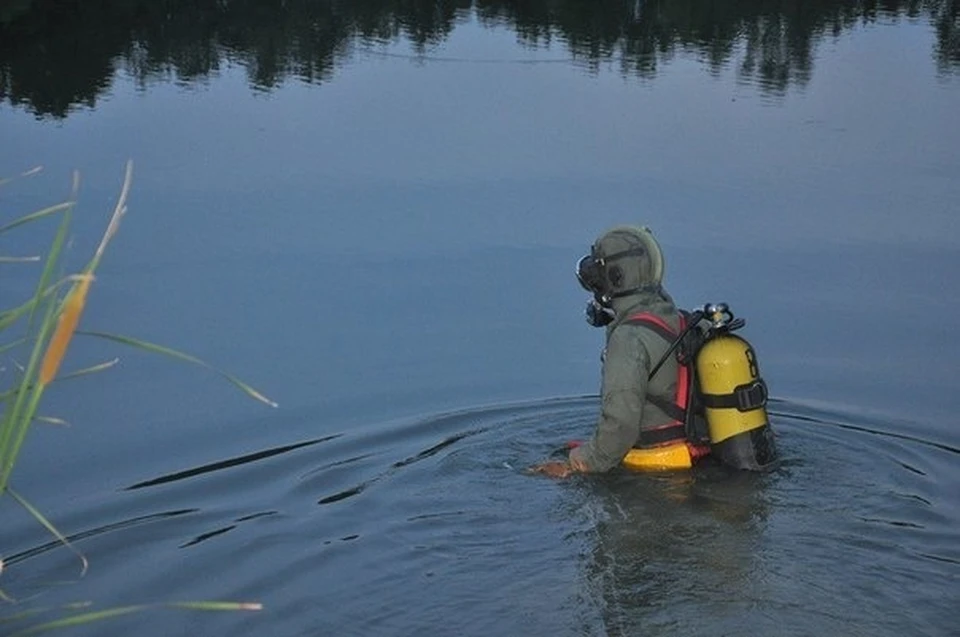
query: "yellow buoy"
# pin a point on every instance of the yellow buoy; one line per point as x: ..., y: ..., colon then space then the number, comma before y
x: 667, y: 457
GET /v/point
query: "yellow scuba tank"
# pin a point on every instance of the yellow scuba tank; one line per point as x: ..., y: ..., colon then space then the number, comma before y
x: 733, y: 395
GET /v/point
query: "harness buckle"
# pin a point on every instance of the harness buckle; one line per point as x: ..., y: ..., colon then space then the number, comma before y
x: 752, y: 396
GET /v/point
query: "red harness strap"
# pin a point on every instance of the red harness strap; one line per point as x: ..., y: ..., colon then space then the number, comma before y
x: 675, y: 429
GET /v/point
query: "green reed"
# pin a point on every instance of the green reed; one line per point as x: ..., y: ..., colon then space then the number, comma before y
x: 40, y: 329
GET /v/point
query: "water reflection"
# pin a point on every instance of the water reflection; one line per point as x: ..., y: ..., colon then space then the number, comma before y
x: 55, y: 56
x: 676, y: 540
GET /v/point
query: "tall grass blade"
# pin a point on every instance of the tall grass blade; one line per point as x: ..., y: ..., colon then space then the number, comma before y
x: 78, y: 620
x: 15, y: 617
x: 39, y: 610
x: 119, y: 210
x: 108, y: 613
x: 39, y: 214
x: 4, y: 395
x: 172, y: 353
x: 29, y: 173
x: 8, y: 346
x: 19, y: 413
x: 17, y: 418
x: 217, y: 606
x: 51, y: 261
x: 93, y: 369
x: 50, y: 420
x: 49, y: 526
x: 9, y: 317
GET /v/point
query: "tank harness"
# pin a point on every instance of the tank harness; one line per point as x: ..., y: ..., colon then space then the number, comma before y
x: 678, y: 410
x: 719, y: 406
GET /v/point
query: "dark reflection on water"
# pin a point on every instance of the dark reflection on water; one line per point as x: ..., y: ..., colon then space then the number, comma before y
x: 56, y: 55
x: 226, y: 464
x: 12, y: 560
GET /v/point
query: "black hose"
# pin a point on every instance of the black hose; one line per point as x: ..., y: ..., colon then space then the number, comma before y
x: 694, y: 318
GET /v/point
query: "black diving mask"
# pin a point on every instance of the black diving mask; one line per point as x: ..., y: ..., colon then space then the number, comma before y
x: 591, y: 276
x: 590, y: 273
x: 594, y: 278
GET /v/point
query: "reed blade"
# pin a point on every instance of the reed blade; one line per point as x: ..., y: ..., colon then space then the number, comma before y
x: 39, y: 214
x: 93, y: 369
x: 8, y: 346
x: 49, y: 526
x: 51, y: 420
x: 172, y: 353
x: 51, y: 262
x: 9, y: 317
x: 78, y: 620
x: 27, y: 173
x: 109, y: 613
x: 218, y: 606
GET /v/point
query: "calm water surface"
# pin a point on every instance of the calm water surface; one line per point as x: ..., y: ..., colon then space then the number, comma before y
x: 371, y: 211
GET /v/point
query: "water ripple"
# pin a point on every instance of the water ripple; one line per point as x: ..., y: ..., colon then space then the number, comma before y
x: 854, y: 518
x: 75, y: 538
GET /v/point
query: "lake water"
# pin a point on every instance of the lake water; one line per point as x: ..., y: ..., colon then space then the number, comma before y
x: 371, y: 212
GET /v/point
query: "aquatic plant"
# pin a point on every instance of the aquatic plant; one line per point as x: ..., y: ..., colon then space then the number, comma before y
x: 42, y: 328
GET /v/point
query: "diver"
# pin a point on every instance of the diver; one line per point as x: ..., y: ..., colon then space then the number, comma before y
x: 676, y: 386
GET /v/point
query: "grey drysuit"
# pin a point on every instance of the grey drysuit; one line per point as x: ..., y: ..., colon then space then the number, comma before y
x: 631, y: 352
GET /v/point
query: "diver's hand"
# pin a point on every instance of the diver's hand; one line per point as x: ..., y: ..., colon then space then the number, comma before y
x: 562, y: 468
x: 553, y: 469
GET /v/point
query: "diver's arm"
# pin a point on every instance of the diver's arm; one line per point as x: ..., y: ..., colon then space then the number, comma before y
x: 624, y: 391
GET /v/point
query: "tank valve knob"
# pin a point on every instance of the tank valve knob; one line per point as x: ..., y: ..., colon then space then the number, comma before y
x: 717, y: 313
x: 722, y: 318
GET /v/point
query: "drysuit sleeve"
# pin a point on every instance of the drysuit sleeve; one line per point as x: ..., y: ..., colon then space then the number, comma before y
x: 626, y: 367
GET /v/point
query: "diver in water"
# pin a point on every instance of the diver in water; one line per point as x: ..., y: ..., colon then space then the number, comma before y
x: 655, y: 413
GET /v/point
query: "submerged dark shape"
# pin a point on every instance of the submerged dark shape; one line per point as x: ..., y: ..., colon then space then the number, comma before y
x: 56, y: 55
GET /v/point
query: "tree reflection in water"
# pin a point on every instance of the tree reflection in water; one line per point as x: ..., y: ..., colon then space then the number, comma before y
x: 57, y: 54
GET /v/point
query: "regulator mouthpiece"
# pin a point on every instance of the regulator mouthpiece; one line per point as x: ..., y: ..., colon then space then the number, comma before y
x: 598, y: 314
